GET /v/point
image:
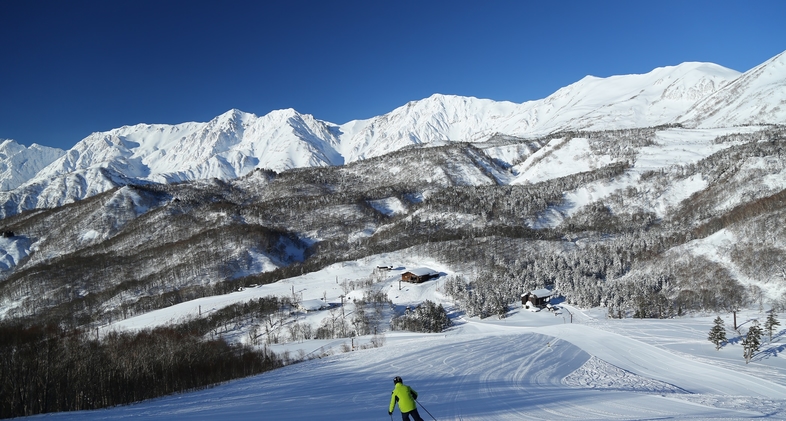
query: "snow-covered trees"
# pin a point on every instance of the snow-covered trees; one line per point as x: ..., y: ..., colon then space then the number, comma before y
x: 751, y: 342
x: 488, y: 294
x: 718, y: 333
x: 335, y: 325
x: 427, y: 317
x: 369, y: 312
x: 211, y: 237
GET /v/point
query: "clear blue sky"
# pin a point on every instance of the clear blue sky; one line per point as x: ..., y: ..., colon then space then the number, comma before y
x: 69, y: 68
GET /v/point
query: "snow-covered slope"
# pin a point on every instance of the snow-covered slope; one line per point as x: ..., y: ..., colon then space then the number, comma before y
x: 437, y: 118
x: 571, y: 364
x: 521, y: 374
x: 756, y: 97
x: 226, y: 147
x: 620, y: 102
x: 19, y: 163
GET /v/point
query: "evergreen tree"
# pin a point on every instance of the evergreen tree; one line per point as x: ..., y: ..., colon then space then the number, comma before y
x: 752, y: 342
x: 771, y: 323
x: 718, y: 333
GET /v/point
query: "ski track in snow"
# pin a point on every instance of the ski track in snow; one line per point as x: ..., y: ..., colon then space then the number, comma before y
x: 514, y: 374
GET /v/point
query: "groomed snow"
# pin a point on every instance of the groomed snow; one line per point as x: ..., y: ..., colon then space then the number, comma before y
x: 568, y: 364
x: 529, y: 366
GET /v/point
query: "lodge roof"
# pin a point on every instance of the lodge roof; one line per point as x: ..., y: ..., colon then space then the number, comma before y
x: 312, y: 305
x: 540, y: 293
x: 422, y: 271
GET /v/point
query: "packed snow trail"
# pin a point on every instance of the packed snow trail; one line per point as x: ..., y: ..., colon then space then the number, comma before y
x: 469, y: 377
x: 653, y: 362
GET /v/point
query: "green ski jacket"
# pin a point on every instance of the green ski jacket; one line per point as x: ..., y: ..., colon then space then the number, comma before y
x: 405, y: 396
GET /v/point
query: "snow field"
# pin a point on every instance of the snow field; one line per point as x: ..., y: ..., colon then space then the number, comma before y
x: 508, y: 373
x: 526, y: 366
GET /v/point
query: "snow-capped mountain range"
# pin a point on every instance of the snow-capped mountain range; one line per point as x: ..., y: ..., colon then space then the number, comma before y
x: 695, y: 95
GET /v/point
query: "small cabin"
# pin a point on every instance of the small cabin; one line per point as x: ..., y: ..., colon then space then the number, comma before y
x: 537, y: 298
x: 419, y: 275
x: 312, y: 305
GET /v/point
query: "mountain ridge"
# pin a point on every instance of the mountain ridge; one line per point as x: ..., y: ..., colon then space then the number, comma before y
x: 236, y: 143
x: 758, y: 96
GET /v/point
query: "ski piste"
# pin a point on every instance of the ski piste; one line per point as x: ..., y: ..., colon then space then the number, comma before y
x: 526, y: 366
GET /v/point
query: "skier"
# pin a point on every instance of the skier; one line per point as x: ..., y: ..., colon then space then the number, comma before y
x: 405, y: 396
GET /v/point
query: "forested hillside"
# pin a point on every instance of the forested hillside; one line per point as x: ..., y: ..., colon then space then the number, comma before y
x: 143, y: 247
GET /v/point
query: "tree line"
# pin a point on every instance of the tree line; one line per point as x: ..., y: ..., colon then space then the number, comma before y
x: 45, y: 368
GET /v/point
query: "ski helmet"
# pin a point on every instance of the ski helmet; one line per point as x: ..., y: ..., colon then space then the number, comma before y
x: 397, y: 379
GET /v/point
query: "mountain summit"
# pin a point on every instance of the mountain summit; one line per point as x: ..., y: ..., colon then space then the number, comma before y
x: 756, y: 97
x: 19, y: 164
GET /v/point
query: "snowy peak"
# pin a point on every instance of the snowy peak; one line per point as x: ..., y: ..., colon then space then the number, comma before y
x: 286, y: 139
x: 19, y: 163
x: 431, y: 120
x: 694, y: 81
x: 629, y: 101
x: 228, y: 146
x: 756, y: 97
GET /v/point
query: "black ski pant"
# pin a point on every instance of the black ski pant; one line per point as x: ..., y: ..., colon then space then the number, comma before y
x: 413, y: 413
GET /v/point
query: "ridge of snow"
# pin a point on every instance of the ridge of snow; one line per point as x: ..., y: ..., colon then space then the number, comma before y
x: 235, y: 143
x: 758, y: 96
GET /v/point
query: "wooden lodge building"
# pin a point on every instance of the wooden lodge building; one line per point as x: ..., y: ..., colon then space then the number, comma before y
x: 537, y: 298
x: 419, y: 275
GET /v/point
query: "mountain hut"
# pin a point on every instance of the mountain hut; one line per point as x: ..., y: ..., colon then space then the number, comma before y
x: 537, y: 298
x: 419, y: 275
x: 312, y: 305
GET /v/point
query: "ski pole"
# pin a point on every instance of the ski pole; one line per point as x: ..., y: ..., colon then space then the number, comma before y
x: 424, y: 408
